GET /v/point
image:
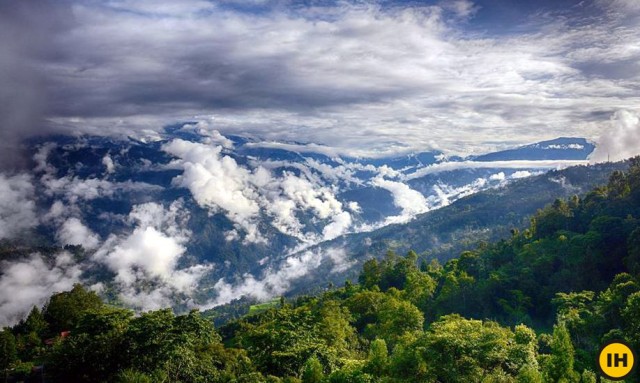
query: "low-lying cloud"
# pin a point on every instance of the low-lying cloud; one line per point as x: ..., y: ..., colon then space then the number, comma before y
x: 621, y: 140
x: 243, y: 194
x: 31, y: 281
x: 17, y: 205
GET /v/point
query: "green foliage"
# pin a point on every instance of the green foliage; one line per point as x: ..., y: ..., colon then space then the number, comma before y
x: 8, y: 352
x: 65, y: 309
x: 560, y: 366
x: 378, y: 359
x: 312, y: 371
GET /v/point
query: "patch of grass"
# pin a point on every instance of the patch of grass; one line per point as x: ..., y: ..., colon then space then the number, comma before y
x: 254, y: 309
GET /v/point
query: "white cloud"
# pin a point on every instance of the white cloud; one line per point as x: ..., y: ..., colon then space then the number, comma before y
x: 146, y: 261
x: 212, y: 136
x: 340, y: 224
x: 621, y: 140
x: 74, y: 232
x: 497, y: 177
x: 277, y: 281
x: 17, y: 206
x: 517, y: 164
x: 31, y: 281
x: 75, y: 189
x: 273, y: 282
x: 461, y: 8
x: 355, y: 76
x: 219, y: 183
x: 107, y: 161
x: 340, y: 259
x: 41, y: 156
x: 410, y: 201
x: 521, y: 174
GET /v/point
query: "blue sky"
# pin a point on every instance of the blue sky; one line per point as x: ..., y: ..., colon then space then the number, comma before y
x: 366, y: 77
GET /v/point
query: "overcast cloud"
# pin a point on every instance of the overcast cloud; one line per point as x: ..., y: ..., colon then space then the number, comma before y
x: 375, y: 77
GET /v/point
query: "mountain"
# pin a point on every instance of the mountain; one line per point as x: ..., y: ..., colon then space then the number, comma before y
x: 444, y: 233
x: 539, y: 306
x: 563, y: 148
x: 192, y: 218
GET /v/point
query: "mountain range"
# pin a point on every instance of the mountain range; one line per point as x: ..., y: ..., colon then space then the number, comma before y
x: 193, y: 218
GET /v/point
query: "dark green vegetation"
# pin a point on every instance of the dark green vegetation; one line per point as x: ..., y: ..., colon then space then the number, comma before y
x: 531, y: 308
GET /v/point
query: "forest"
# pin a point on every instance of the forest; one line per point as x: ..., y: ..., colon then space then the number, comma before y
x: 535, y: 307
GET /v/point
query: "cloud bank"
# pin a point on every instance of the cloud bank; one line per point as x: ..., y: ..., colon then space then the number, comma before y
x: 366, y: 77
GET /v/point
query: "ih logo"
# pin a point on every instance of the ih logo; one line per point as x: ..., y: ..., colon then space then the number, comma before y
x: 616, y: 360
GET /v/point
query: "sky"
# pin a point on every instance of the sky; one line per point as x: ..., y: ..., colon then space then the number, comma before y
x: 376, y: 77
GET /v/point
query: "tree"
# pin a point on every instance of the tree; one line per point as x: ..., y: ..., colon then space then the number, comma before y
x: 65, y: 309
x: 370, y: 275
x: 631, y: 316
x: 8, y: 353
x: 560, y: 368
x: 378, y: 359
x: 312, y: 371
x: 395, y: 318
x: 96, y: 349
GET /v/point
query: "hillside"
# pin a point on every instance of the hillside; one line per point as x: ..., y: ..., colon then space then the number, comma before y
x: 553, y: 292
x: 481, y: 217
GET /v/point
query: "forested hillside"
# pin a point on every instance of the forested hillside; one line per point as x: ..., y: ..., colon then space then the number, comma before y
x: 535, y: 307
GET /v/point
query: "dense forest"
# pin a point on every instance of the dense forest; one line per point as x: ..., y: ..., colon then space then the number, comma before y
x: 535, y: 307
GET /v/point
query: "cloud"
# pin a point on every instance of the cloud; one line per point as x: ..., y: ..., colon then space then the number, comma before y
x: 211, y: 136
x: 521, y: 174
x: 146, y: 261
x: 17, y: 205
x: 274, y: 281
x: 340, y: 224
x: 31, y: 281
x: 75, y: 189
x: 218, y: 182
x: 108, y: 163
x: 74, y: 232
x: 516, y: 164
x: 621, y: 140
x: 460, y: 8
x: 497, y: 177
x: 410, y: 201
x: 243, y: 194
x: 360, y: 77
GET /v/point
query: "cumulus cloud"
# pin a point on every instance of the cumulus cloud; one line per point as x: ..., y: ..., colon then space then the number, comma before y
x: 621, y: 140
x: 150, y: 255
x: 219, y: 183
x: 17, y: 206
x: 31, y: 281
x: 205, y: 128
x: 74, y: 232
x: 497, y: 177
x: 107, y: 161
